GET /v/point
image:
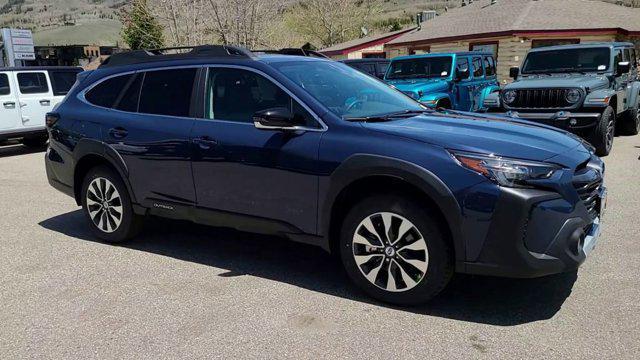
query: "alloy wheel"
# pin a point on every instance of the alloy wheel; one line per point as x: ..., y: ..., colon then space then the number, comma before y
x: 104, y: 205
x: 610, y: 133
x: 390, y: 252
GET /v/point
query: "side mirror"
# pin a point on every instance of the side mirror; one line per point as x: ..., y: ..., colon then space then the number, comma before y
x: 514, y: 72
x: 623, y: 68
x: 274, y: 119
x: 461, y: 74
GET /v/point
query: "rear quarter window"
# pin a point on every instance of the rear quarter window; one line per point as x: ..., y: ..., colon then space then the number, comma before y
x: 62, y: 81
x: 33, y: 83
x: 5, y: 89
x: 105, y: 93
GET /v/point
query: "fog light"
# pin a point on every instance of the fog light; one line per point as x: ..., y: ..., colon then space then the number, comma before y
x: 573, y: 122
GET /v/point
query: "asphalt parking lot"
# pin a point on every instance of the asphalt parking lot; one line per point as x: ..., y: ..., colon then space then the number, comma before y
x: 187, y: 291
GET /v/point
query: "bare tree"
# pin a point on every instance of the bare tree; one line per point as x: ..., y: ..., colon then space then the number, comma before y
x: 329, y: 22
x: 185, y: 21
x: 244, y: 22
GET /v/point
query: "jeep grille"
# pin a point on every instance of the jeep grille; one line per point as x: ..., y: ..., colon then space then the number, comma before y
x: 540, y: 99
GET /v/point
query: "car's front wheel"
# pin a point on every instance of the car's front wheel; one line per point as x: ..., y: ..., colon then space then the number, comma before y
x: 394, y: 250
x: 631, y: 123
x: 604, y: 132
x: 107, y: 206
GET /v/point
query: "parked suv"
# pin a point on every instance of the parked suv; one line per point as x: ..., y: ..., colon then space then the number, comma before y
x: 316, y: 151
x: 451, y: 81
x: 26, y: 95
x: 587, y: 89
x: 372, y: 66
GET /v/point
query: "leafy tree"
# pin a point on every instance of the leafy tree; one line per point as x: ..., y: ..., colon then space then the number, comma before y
x: 140, y: 28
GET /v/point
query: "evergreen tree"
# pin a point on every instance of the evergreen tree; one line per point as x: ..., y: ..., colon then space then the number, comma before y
x: 141, y: 30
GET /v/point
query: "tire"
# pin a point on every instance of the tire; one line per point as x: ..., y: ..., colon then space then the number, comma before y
x: 602, y: 136
x: 35, y: 142
x: 108, y: 226
x: 631, y: 123
x: 443, y: 104
x: 363, y: 258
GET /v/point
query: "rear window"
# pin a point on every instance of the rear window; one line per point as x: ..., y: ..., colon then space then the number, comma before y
x: 477, y: 67
x: 105, y: 93
x: 167, y: 92
x: 33, y: 83
x: 489, y: 66
x: 129, y: 100
x: 62, y: 81
x: 5, y: 89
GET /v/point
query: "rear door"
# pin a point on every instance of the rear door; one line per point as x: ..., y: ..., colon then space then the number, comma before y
x: 462, y: 94
x: 9, y: 107
x: 35, y: 97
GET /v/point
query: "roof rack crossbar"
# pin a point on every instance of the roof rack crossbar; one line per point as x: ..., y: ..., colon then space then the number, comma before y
x: 293, y: 51
x: 143, y: 56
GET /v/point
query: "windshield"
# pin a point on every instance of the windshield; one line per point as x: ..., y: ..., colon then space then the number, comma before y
x: 424, y: 67
x: 345, y: 91
x: 566, y: 60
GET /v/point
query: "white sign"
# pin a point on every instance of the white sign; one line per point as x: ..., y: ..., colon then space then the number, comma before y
x: 23, y: 48
x: 22, y: 41
x: 19, y: 33
x: 24, y: 56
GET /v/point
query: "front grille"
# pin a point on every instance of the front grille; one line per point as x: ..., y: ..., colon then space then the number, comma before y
x: 540, y: 99
x: 587, y: 182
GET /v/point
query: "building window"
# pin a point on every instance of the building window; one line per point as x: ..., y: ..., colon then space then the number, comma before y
x: 552, y: 42
x: 374, y: 55
x: 487, y: 46
x: 416, y: 50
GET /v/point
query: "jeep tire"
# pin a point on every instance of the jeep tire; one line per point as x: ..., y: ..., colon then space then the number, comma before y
x: 602, y: 136
x: 107, y: 207
x: 631, y: 122
x: 394, y: 250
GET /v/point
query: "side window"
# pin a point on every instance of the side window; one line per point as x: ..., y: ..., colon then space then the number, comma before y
x: 33, y: 83
x: 129, y: 99
x: 62, y: 81
x: 167, y: 92
x: 477, y: 67
x: 105, y: 93
x: 382, y: 68
x: 462, y: 65
x: 489, y: 66
x: 235, y: 95
x: 5, y: 89
x: 634, y: 59
x: 617, y: 58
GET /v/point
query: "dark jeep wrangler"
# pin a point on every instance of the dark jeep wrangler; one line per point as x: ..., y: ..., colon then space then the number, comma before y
x: 587, y: 89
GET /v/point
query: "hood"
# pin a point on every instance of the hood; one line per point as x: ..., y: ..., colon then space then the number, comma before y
x: 592, y: 82
x: 424, y: 85
x: 488, y: 135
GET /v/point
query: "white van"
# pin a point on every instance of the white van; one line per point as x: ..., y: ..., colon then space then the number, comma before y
x: 27, y: 94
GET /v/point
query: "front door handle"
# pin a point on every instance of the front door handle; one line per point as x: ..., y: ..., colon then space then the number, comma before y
x: 205, y: 142
x: 45, y: 102
x: 118, y: 133
x: 9, y: 105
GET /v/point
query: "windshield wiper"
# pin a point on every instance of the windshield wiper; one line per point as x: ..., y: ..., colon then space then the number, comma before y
x: 387, y: 117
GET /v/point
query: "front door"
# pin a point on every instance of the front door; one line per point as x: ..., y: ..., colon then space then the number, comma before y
x: 462, y: 92
x: 242, y: 170
x: 35, y: 97
x: 9, y: 106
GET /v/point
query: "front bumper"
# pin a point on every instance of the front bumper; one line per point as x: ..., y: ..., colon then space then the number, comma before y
x: 571, y: 121
x: 535, y: 233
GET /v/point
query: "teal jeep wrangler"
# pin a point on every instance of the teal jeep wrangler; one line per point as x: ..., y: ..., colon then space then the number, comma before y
x: 590, y: 90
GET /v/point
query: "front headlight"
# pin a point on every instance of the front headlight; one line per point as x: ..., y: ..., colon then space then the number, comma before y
x: 505, y: 171
x: 573, y: 96
x: 509, y: 96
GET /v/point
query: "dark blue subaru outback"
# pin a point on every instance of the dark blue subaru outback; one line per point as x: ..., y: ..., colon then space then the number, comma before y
x: 318, y: 152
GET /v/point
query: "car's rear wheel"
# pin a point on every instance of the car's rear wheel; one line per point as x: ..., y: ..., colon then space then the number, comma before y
x: 631, y: 123
x: 394, y: 250
x: 107, y: 206
x: 604, y: 132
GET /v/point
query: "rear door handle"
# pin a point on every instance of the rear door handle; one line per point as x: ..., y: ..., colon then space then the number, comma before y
x: 45, y: 102
x: 205, y: 142
x: 9, y: 105
x: 118, y: 133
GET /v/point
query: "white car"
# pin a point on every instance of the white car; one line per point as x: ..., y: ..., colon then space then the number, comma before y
x: 27, y: 94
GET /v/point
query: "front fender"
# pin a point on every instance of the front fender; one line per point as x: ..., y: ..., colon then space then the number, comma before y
x: 490, y: 97
x: 361, y: 166
x: 432, y: 99
x: 599, y: 99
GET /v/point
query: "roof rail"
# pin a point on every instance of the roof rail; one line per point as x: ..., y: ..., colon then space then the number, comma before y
x: 293, y: 51
x: 175, y: 53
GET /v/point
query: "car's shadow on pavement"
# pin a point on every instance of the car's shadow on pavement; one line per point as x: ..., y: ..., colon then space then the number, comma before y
x: 488, y: 300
